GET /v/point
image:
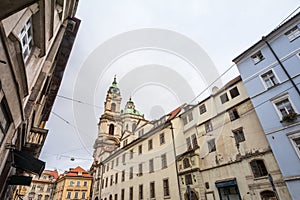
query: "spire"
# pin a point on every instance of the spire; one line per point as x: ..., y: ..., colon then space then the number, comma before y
x: 114, y: 88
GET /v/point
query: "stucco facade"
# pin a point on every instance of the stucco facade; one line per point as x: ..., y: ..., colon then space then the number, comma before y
x: 227, y: 155
x: 270, y: 71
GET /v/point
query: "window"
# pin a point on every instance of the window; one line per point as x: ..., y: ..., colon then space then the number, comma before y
x: 188, y: 143
x: 150, y: 144
x: 106, y: 182
x: 46, y: 197
x: 123, y: 158
x: 26, y: 39
x: 76, y: 195
x: 116, y: 196
x: 39, y: 197
x: 284, y: 107
x: 257, y: 57
x: 141, y: 192
x: 188, y: 118
x: 208, y: 126
x: 84, y: 183
x: 258, y: 168
x: 151, y: 166
x: 48, y: 188
x: 238, y: 135
x: 131, y: 193
x: 5, y: 119
x: 123, y: 194
x: 293, y: 33
x: 202, y: 109
x: 131, y: 173
x: 116, y: 178
x: 188, y: 179
x: 107, y: 167
x: 111, y: 129
x: 162, y: 138
x: 166, y: 187
x: 133, y: 127
x: 83, y: 195
x: 163, y: 161
x: 233, y: 114
x: 211, y: 145
x: 125, y: 142
x: 269, y: 79
x: 140, y: 149
x: 71, y: 183
x: 33, y: 187
x: 78, y: 183
x: 186, y: 163
x: 123, y: 176
x: 111, y: 179
x: 234, y: 92
x: 141, y: 169
x: 194, y: 141
x: 117, y: 161
x: 131, y: 153
x: 152, y: 190
x: 295, y: 139
x: 224, y: 98
x: 112, y: 164
x: 113, y: 107
x: 141, y: 132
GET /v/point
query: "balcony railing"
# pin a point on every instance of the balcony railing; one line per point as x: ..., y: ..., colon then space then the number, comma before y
x: 35, y: 140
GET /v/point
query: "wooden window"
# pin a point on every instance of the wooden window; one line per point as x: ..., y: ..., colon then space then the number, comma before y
x: 258, y: 168
x: 166, y: 187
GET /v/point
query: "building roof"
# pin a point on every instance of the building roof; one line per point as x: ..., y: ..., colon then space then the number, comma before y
x: 77, y: 172
x: 130, y: 109
x: 281, y: 27
x: 54, y: 173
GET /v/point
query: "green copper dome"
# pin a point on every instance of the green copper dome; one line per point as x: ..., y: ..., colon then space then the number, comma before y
x: 114, y: 88
x: 130, y: 109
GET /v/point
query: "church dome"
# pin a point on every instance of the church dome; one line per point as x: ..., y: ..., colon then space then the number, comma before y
x: 130, y: 109
x: 114, y: 88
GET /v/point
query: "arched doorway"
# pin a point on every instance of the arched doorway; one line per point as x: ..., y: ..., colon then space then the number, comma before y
x: 268, y: 195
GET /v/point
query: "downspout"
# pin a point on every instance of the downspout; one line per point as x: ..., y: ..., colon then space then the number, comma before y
x: 281, y: 65
x: 174, y: 151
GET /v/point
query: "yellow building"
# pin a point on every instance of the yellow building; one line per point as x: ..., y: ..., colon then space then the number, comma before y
x: 73, y: 184
x: 41, y: 188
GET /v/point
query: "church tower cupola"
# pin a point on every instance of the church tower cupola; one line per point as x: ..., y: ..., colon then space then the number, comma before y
x: 113, y: 99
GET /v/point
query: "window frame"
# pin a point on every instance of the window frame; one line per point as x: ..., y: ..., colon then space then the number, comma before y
x: 164, y: 162
x: 263, y: 80
x: 166, y: 187
x: 211, y: 144
x: 224, y: 98
x: 141, y: 191
x: 162, y: 138
x: 151, y: 165
x: 6, y: 116
x: 259, y: 168
x: 234, y: 92
x: 152, y: 189
x: 257, y: 57
x: 233, y: 114
x: 281, y: 99
x: 150, y: 144
x: 202, y: 109
x: 239, y: 135
x: 293, y: 33
x: 208, y: 126
x: 292, y: 138
x: 29, y: 43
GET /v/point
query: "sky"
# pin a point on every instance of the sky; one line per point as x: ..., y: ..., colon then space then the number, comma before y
x: 163, y: 53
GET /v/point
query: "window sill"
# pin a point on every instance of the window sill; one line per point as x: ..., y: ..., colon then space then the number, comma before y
x: 167, y: 197
x: 260, y: 178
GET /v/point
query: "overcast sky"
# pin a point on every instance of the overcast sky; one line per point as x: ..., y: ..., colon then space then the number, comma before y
x: 164, y: 53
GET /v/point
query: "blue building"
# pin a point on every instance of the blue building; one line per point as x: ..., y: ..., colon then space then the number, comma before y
x: 270, y: 70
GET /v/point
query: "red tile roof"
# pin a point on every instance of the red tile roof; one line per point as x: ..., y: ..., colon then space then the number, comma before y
x: 51, y: 173
x: 78, y: 171
x: 175, y: 112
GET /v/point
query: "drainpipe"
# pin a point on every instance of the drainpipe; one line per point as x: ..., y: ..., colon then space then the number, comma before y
x: 174, y: 151
x: 281, y: 65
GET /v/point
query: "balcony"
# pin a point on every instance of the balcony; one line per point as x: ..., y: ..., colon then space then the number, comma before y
x: 35, y: 139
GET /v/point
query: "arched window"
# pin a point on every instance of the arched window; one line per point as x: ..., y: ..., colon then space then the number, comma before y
x: 258, y: 168
x: 113, y: 107
x: 267, y: 195
x: 134, y: 126
x: 126, y: 127
x: 186, y: 163
x: 110, y: 197
x: 111, y: 129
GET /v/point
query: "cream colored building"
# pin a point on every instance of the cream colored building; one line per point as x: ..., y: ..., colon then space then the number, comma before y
x: 226, y: 155
x: 134, y: 158
x: 73, y: 184
x: 41, y: 188
x: 36, y: 38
